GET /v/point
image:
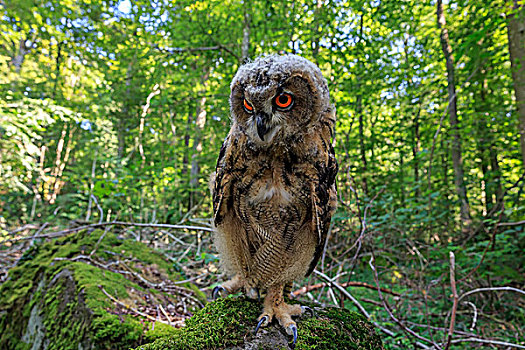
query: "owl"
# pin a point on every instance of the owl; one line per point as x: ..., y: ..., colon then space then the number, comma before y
x: 274, y: 186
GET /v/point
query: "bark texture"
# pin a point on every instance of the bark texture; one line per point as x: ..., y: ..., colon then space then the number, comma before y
x: 457, y: 160
x: 516, y: 34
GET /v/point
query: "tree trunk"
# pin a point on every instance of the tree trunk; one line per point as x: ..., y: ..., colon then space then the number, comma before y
x: 245, y: 48
x: 140, y: 138
x: 488, y: 154
x: 187, y: 137
x: 20, y: 55
x: 200, y: 122
x: 57, y: 69
x: 359, y: 112
x: 483, y: 143
x: 457, y: 160
x: 416, y: 146
x: 316, y: 30
x: 40, y: 178
x: 125, y: 114
x: 516, y: 34
x: 416, y: 138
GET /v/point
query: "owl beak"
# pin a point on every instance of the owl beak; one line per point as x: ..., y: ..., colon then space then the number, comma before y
x: 262, y: 128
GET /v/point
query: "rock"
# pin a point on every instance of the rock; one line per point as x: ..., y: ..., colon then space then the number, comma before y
x: 84, y: 291
x: 229, y: 323
x: 60, y: 296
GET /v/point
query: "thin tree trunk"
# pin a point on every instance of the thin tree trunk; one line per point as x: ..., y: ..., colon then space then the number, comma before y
x: 245, y: 48
x: 187, y: 133
x: 359, y: 112
x: 140, y: 138
x: 483, y: 141
x: 40, y: 178
x: 57, y: 69
x: 20, y: 55
x: 91, y: 185
x: 416, y: 146
x: 364, y: 164
x: 401, y: 173
x: 200, y: 122
x: 457, y: 160
x: 316, y: 30
x: 445, y: 167
x: 121, y: 126
x: 61, y: 165
x: 516, y: 34
x: 416, y: 138
x: 58, y: 162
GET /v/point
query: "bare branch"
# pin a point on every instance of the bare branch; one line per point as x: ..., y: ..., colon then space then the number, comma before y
x: 455, y: 296
x: 353, y: 300
x: 115, y: 300
x: 486, y: 341
x: 103, y: 224
x: 389, y: 311
x: 511, y: 223
x: 491, y: 289
x: 309, y: 288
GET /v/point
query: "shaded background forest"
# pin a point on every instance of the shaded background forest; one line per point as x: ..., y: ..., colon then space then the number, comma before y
x: 116, y: 110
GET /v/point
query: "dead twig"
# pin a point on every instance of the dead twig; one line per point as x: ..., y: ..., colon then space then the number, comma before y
x: 517, y: 223
x: 475, y: 316
x: 103, y: 224
x: 389, y: 311
x: 307, y: 289
x: 491, y: 289
x: 455, y: 296
x: 355, y: 301
x: 128, y: 307
x: 24, y: 228
x: 487, y: 341
x: 165, y: 314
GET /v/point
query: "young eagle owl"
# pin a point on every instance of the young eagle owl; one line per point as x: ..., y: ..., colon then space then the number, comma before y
x: 274, y: 188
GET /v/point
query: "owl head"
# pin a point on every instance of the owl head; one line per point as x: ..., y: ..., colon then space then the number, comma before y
x: 275, y: 97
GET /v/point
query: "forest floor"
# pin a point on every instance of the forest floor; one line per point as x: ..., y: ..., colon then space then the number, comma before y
x: 397, y: 311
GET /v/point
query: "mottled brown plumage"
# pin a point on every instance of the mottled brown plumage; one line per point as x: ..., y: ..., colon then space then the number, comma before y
x: 274, y: 188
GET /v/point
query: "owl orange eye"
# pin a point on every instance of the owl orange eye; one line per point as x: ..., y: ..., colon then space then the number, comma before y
x: 284, y: 100
x: 247, y: 106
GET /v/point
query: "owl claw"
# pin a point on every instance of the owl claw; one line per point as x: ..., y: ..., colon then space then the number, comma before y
x: 217, y: 292
x: 264, y: 320
x: 293, y: 330
x: 308, y: 309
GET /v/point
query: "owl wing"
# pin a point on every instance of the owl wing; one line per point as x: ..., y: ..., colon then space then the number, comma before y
x: 324, y: 201
x: 220, y: 184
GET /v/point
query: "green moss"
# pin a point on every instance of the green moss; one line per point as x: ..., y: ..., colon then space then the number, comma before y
x: 63, y: 298
x: 229, y: 322
x: 158, y: 331
x: 350, y: 329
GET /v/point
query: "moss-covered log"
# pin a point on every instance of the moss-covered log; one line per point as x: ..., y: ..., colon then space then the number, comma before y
x: 229, y: 323
x: 59, y: 296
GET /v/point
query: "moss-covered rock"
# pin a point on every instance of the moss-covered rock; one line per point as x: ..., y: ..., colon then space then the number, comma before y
x: 59, y: 296
x: 229, y: 323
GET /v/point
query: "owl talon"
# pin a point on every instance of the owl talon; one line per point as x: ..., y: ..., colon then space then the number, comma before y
x: 293, y: 330
x: 307, y: 309
x: 253, y: 293
x: 217, y: 292
x: 264, y: 320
